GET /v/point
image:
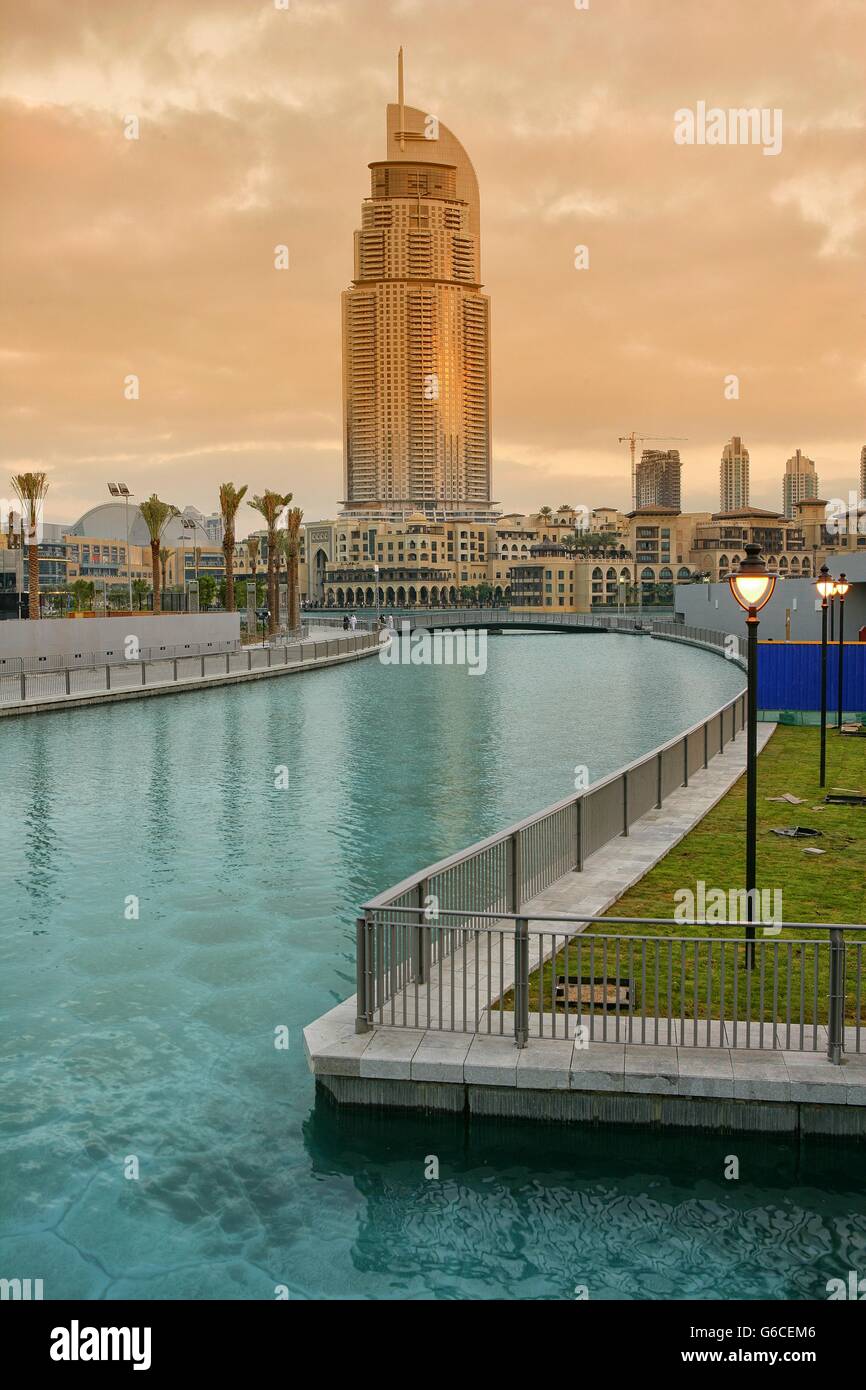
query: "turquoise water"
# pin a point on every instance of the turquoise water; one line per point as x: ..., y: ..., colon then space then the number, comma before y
x: 152, y: 1039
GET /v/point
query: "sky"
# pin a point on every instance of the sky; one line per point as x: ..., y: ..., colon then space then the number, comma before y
x: 154, y: 256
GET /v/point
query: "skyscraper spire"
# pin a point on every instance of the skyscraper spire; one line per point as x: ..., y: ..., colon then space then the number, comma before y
x: 400, y: 95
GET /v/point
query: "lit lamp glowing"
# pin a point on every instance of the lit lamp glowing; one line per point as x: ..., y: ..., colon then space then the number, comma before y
x: 842, y: 587
x: 826, y: 586
x: 752, y: 586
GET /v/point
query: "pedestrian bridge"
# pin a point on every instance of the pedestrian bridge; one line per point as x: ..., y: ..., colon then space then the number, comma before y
x: 498, y: 619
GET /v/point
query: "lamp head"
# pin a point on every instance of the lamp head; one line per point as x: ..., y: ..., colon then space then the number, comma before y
x: 825, y: 584
x: 842, y: 587
x: 751, y: 585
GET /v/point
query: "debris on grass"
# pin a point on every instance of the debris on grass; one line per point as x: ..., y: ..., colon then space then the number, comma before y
x: 841, y: 796
x: 789, y: 797
x: 813, y: 849
x: 796, y: 832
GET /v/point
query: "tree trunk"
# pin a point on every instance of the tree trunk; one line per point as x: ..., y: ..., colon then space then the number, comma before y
x: 33, y: 572
x: 272, y: 545
x: 293, y: 595
x: 154, y: 564
x: 228, y: 552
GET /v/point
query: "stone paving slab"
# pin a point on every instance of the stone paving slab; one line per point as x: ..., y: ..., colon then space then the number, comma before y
x: 390, y: 1053
x: 440, y: 1057
x: 491, y: 1061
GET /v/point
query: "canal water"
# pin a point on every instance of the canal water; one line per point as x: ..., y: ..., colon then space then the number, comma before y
x: 179, y: 879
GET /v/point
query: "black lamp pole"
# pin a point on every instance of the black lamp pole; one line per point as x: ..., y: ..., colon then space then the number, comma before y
x: 824, y: 579
x: 842, y: 588
x: 752, y: 782
x: 752, y: 587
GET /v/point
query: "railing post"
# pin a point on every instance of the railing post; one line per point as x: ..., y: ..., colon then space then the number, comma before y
x: 421, y: 935
x: 686, y: 761
x: 144, y: 673
x: 578, y: 841
x: 202, y: 668
x: 625, y: 803
x: 228, y: 663
x: 107, y: 676
x: 23, y: 684
x: 249, y: 658
x: 68, y: 687
x: 706, y: 746
x: 521, y: 982
x: 362, y: 1023
x: 836, y: 997
x: 174, y: 669
x: 658, y: 781
x: 516, y: 894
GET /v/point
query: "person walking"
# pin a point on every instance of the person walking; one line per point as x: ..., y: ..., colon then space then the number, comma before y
x: 353, y: 622
x: 345, y: 623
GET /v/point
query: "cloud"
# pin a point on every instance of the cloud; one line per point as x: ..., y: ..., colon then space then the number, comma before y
x: 156, y: 256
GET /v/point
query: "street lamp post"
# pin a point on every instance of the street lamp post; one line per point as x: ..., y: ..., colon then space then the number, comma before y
x: 376, y: 583
x: 121, y: 490
x: 826, y: 587
x: 752, y: 587
x: 842, y: 587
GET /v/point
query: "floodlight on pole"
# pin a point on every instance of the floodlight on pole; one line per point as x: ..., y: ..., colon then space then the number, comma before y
x: 121, y: 490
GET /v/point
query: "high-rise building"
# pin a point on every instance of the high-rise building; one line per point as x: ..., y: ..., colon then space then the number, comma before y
x: 734, y: 476
x: 863, y: 474
x: 800, y: 481
x: 658, y: 479
x: 416, y: 332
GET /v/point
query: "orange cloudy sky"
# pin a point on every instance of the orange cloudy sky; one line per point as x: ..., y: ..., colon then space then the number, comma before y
x: 155, y: 256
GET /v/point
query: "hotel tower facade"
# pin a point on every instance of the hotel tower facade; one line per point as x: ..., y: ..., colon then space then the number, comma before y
x: 416, y: 333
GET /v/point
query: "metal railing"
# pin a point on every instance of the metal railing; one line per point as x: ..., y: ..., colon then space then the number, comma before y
x: 109, y: 656
x: 500, y: 874
x: 591, y: 980
x: 26, y: 687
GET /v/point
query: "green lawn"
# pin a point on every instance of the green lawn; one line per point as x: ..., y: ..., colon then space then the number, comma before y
x: 829, y: 887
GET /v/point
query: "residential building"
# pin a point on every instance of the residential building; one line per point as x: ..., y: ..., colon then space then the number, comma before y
x: 734, y: 476
x: 800, y: 481
x: 658, y: 479
x: 416, y: 352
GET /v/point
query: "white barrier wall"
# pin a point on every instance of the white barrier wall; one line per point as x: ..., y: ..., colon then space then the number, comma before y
x: 78, y: 636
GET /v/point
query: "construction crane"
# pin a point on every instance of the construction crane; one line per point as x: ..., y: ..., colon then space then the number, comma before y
x: 631, y: 440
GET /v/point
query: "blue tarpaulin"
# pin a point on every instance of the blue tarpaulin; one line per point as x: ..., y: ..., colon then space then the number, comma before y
x: 789, y: 676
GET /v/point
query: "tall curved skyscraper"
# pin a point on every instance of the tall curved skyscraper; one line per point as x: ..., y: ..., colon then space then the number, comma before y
x: 416, y: 332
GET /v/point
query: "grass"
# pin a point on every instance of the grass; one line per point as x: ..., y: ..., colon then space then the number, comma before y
x: 829, y: 887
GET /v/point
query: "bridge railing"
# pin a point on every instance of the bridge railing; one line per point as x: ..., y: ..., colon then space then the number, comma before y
x: 22, y: 687
x: 612, y: 979
x: 502, y: 873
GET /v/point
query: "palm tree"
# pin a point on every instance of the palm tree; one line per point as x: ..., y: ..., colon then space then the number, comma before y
x: 156, y: 515
x: 290, y: 544
x: 271, y: 504
x: 230, y: 499
x: 30, y: 489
